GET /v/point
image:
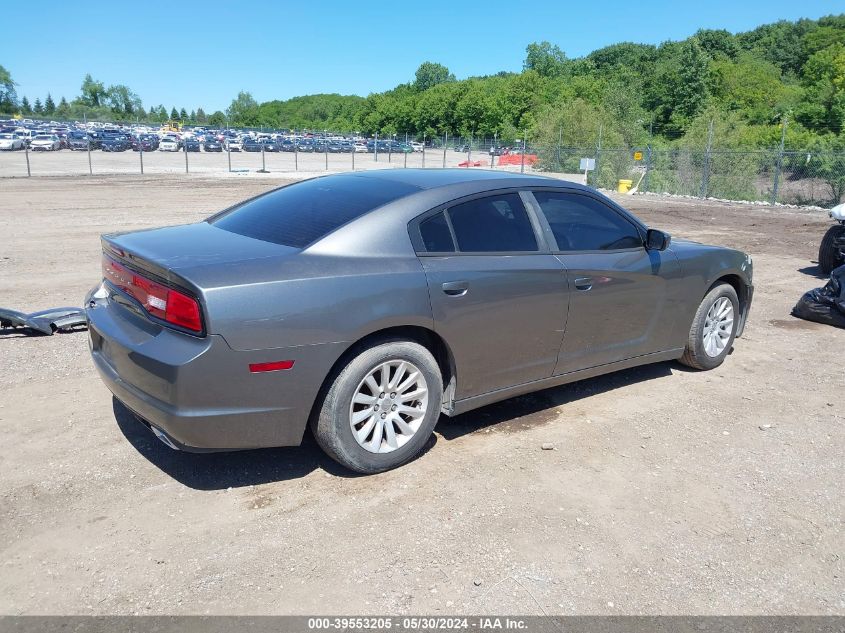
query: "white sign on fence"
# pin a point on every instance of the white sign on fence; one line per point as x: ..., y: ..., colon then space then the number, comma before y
x: 588, y: 163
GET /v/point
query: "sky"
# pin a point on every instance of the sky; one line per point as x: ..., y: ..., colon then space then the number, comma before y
x: 191, y: 54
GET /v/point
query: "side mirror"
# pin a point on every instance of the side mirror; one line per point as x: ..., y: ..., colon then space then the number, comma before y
x: 657, y: 240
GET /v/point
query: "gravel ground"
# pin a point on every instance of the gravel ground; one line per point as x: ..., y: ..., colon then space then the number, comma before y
x: 667, y: 492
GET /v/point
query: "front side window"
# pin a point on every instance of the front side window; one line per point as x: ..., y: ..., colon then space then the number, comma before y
x: 493, y: 225
x: 582, y: 223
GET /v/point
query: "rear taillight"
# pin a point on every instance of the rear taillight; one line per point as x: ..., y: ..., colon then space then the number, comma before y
x: 158, y: 300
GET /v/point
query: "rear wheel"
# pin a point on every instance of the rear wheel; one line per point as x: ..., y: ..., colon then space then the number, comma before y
x: 381, y: 408
x: 713, y: 328
x: 829, y: 257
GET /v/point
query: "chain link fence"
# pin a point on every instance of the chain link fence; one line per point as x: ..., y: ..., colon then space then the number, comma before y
x: 804, y: 178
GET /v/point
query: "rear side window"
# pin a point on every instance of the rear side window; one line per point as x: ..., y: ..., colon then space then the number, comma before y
x: 582, y: 223
x: 304, y: 212
x: 493, y: 224
x: 435, y: 234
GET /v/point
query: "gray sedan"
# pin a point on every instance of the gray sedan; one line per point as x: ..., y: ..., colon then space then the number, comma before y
x: 367, y: 304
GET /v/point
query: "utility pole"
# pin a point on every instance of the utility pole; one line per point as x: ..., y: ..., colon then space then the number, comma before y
x: 779, y: 163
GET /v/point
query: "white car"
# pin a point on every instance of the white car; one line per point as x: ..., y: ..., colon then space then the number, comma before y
x: 360, y: 148
x: 233, y: 145
x: 9, y: 142
x: 45, y: 142
x: 168, y: 144
x: 417, y: 147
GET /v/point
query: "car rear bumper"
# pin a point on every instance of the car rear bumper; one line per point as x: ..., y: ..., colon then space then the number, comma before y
x: 198, y: 392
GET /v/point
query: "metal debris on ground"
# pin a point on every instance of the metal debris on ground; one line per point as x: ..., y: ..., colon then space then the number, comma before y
x: 43, y: 322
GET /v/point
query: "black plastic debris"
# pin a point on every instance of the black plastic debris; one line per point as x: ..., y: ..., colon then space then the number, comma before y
x: 826, y: 304
x: 43, y: 322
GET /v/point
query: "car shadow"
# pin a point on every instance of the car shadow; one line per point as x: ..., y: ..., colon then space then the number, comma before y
x: 538, y: 408
x: 237, y: 469
x: 813, y: 271
x: 233, y: 469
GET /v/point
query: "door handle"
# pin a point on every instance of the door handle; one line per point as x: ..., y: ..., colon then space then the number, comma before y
x: 584, y: 283
x: 455, y: 288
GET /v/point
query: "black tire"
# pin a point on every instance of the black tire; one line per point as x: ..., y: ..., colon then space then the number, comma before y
x: 829, y: 257
x: 331, y: 423
x: 695, y: 355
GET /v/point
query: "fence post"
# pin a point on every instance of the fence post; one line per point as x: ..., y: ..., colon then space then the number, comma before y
x: 522, y: 160
x: 647, y: 167
x: 263, y: 163
x: 26, y: 151
x: 141, y: 155
x: 326, y: 152
x: 229, y: 155
x: 375, y: 148
x: 90, y: 170
x: 353, y: 157
x: 469, y: 151
x: 705, y: 175
x: 296, y: 157
x: 445, y: 143
x: 598, y: 157
x: 185, y: 148
x: 559, y: 142
x: 423, y: 157
x: 779, y: 162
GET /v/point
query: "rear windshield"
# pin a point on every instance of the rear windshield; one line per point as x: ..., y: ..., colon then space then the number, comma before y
x: 304, y: 212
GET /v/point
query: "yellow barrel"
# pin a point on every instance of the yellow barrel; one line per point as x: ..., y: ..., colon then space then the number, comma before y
x: 624, y: 185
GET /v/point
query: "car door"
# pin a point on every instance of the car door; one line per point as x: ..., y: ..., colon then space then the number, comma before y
x: 498, y: 296
x: 619, y: 290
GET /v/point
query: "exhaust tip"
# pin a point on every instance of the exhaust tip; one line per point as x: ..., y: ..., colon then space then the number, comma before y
x: 164, y: 439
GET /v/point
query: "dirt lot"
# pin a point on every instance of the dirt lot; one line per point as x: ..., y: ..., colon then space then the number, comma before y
x: 668, y: 492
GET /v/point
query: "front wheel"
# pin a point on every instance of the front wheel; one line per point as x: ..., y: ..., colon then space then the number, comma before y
x: 829, y: 254
x: 713, y: 328
x: 381, y: 408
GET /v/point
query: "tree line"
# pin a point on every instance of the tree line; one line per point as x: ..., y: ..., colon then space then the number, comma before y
x: 748, y: 85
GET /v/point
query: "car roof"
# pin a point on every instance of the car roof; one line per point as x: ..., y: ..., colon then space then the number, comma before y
x: 436, y: 178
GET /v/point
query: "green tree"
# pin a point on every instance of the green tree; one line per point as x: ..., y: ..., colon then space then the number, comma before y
x: 174, y: 114
x: 122, y: 100
x: 93, y: 92
x: 26, y: 108
x: 429, y: 74
x: 49, y: 105
x: 823, y: 105
x: 717, y: 43
x: 183, y: 116
x: 677, y: 91
x: 8, y: 96
x: 63, y: 109
x: 192, y: 117
x: 37, y: 108
x: 202, y: 118
x: 217, y: 119
x: 752, y: 87
x: 243, y: 111
x: 546, y: 59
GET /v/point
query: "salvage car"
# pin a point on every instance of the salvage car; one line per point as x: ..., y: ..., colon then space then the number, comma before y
x: 169, y: 144
x: 367, y: 304
x: 832, y: 248
x: 10, y: 142
x: 211, y: 144
x: 45, y: 143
